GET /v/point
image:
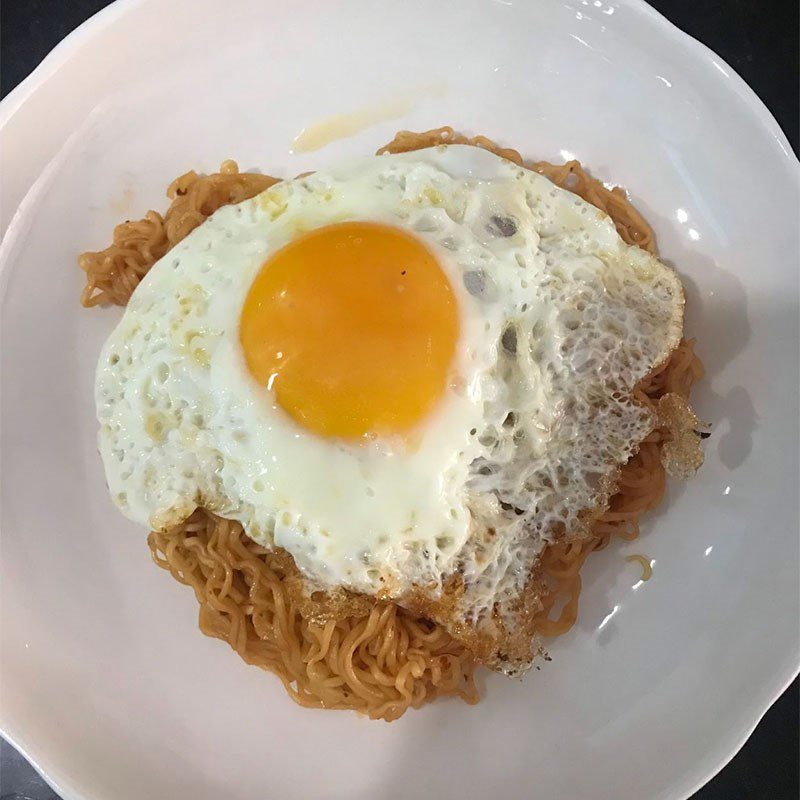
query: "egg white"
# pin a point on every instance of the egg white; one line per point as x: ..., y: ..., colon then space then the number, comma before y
x: 559, y: 320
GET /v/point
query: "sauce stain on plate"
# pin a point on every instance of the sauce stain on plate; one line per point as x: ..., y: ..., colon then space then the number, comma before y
x: 123, y: 203
x: 342, y: 126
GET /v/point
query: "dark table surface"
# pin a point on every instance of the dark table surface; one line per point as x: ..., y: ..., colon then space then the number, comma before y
x: 759, y: 39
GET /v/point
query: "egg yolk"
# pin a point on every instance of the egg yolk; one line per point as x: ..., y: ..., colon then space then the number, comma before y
x: 353, y: 327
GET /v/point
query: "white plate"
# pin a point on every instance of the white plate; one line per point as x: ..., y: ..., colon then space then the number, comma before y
x: 107, y: 684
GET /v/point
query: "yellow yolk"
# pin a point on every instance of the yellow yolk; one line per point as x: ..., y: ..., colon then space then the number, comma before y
x: 353, y: 327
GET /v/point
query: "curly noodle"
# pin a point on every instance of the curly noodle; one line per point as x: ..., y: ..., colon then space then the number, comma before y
x: 377, y: 658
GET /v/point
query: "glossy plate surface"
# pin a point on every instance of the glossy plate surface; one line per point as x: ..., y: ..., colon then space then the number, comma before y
x: 107, y: 684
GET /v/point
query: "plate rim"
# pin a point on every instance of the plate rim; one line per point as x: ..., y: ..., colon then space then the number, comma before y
x: 783, y: 675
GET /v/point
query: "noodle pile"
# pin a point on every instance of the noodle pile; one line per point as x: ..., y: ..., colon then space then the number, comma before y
x: 372, y: 656
x: 380, y: 662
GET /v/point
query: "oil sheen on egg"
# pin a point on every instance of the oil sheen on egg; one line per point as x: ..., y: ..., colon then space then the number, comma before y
x: 399, y: 368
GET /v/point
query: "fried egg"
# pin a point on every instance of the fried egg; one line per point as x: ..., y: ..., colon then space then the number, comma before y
x: 400, y: 369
